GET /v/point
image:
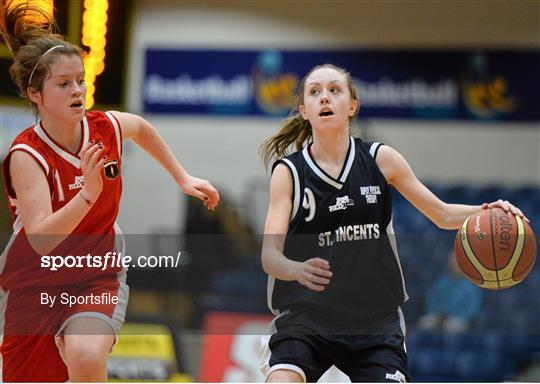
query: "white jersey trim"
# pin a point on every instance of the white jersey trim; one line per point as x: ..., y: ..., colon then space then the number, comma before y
x: 266, y: 353
x: 392, y: 238
x: 17, y: 225
x: 116, y: 131
x: 326, y: 178
x: 120, y: 246
x: 269, y: 291
x: 402, y: 325
x: 13, y: 202
x: 349, y: 162
x: 373, y: 149
x: 86, y: 135
x: 60, y: 196
x: 296, y: 189
x: 34, y: 153
x: 317, y: 171
x: 288, y: 367
x: 70, y: 158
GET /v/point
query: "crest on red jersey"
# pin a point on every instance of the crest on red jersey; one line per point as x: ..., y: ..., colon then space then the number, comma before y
x: 111, y: 169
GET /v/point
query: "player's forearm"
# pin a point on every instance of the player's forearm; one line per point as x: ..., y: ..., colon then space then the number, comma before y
x: 46, y: 234
x: 278, y: 266
x: 152, y: 143
x: 455, y: 214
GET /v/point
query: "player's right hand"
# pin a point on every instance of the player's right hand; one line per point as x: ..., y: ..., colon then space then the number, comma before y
x: 314, y: 274
x: 92, y: 163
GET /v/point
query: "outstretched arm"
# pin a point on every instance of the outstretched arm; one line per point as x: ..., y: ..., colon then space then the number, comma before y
x: 147, y: 137
x: 399, y: 174
x: 313, y: 273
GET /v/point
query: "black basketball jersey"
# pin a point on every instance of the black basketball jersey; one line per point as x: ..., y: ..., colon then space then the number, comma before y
x: 347, y: 221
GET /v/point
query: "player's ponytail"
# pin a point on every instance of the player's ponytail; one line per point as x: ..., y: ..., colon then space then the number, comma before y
x: 296, y: 130
x: 28, y: 29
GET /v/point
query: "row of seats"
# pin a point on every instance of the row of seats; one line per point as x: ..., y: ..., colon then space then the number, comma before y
x: 408, y: 220
x: 487, y: 357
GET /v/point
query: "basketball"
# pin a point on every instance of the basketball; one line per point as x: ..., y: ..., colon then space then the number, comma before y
x: 495, y: 249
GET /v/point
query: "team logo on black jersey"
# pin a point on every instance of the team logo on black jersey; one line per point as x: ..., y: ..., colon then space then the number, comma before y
x: 371, y: 192
x: 341, y: 203
x: 111, y: 169
x: 398, y: 377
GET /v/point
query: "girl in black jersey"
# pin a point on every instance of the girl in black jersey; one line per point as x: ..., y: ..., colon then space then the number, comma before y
x: 335, y: 281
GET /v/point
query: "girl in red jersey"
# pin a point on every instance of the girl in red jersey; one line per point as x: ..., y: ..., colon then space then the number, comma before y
x: 64, y: 186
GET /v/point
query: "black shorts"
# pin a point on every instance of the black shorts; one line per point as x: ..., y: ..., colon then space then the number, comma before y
x: 299, y: 343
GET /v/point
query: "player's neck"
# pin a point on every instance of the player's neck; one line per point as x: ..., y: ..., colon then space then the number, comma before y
x: 330, y: 147
x: 69, y: 136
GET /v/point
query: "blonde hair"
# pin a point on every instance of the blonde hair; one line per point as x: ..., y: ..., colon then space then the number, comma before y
x: 28, y: 30
x: 295, y: 129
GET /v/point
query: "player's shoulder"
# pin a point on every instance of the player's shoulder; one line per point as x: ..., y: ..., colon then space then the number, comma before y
x: 368, y: 146
x: 293, y: 160
x: 104, y: 125
x: 100, y: 117
x: 27, y: 135
x: 30, y: 141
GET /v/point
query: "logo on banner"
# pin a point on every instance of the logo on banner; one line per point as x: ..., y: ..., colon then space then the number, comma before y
x: 274, y: 90
x: 486, y: 96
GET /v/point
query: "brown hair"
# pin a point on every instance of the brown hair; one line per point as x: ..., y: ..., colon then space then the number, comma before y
x: 295, y: 129
x: 28, y: 29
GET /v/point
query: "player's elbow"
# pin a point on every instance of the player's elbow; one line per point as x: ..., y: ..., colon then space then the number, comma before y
x: 265, y: 260
x: 441, y: 217
x: 40, y: 244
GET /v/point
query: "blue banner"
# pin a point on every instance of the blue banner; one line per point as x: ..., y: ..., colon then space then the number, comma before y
x: 426, y: 84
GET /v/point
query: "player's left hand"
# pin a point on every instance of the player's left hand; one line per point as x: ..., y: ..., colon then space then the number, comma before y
x: 203, y: 190
x: 506, y: 206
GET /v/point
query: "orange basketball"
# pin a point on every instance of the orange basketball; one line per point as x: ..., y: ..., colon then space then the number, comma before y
x: 495, y: 249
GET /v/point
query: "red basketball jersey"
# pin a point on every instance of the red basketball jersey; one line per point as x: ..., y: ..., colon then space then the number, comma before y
x: 20, y: 265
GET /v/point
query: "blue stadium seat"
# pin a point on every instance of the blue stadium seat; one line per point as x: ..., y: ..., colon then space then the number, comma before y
x: 432, y: 362
x: 492, y: 342
x: 528, y: 200
x: 458, y: 342
x: 438, y: 190
x: 427, y: 340
x: 462, y: 194
x: 480, y: 366
x: 492, y: 193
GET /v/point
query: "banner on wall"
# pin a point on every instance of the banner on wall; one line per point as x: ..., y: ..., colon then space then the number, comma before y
x: 469, y: 85
x: 231, y: 347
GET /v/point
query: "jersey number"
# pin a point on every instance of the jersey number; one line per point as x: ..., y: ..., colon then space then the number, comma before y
x: 309, y: 203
